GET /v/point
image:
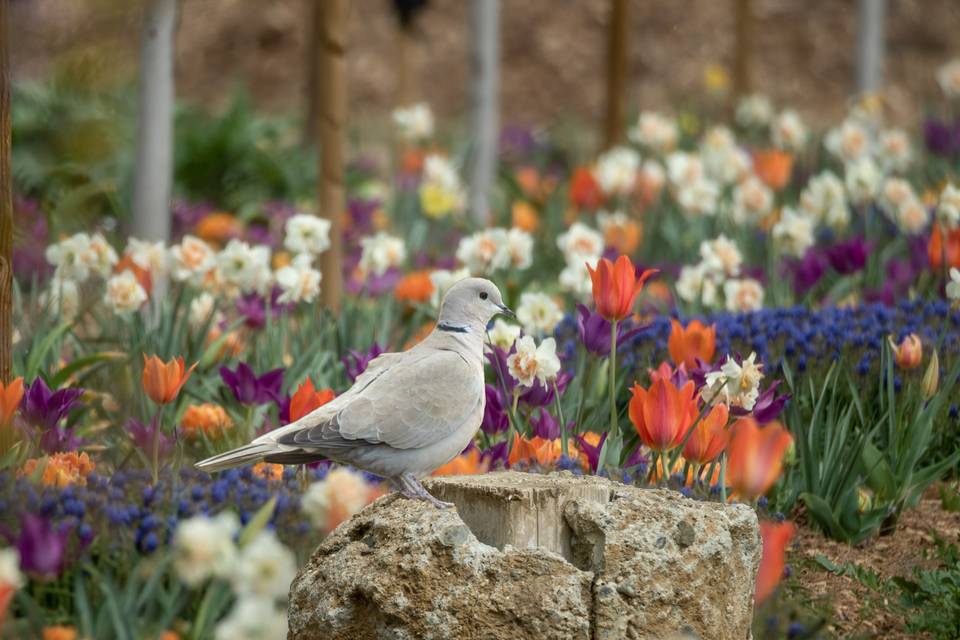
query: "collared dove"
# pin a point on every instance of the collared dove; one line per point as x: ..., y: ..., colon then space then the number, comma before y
x: 407, y: 414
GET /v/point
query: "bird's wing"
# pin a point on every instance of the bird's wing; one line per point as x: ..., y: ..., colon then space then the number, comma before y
x: 411, y: 403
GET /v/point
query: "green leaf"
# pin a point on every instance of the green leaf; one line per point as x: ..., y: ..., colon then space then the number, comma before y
x: 257, y: 522
x: 39, y: 352
x: 84, y: 362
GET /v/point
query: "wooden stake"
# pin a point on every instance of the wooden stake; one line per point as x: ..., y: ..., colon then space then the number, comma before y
x: 153, y: 181
x: 743, y: 48
x: 331, y: 127
x: 406, y: 46
x: 485, y: 126
x: 6, y: 204
x: 616, y: 71
x: 870, y: 46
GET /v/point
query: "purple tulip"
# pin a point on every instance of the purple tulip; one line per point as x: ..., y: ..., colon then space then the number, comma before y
x: 495, y: 419
x: 59, y: 439
x: 849, y: 256
x: 540, y: 395
x: 248, y: 388
x: 592, y: 452
x: 545, y: 426
x: 497, y: 455
x: 143, y: 437
x: 595, y: 331
x: 42, y: 548
x: 807, y: 271
x: 768, y: 406
x: 44, y: 408
x: 356, y: 362
x: 942, y: 138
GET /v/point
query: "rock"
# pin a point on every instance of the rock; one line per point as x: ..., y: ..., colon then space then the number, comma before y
x: 532, y: 556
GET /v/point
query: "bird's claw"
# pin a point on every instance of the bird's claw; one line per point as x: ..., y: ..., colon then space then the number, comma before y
x: 411, y: 488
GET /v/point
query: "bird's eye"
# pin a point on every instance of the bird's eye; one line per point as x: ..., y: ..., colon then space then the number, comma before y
x: 483, y: 295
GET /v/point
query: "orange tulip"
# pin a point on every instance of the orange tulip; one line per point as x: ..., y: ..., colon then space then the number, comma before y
x: 61, y: 470
x: 10, y: 397
x: 465, y: 464
x: 662, y: 415
x: 412, y: 161
x: 142, y: 275
x: 268, y: 471
x: 695, y: 341
x: 773, y: 167
x: 59, y: 632
x: 523, y: 216
x: 536, y: 450
x: 306, y: 399
x: 416, y: 287
x: 709, y: 437
x: 218, y: 227
x: 909, y: 353
x: 776, y: 536
x: 616, y: 286
x: 585, y: 193
x: 625, y: 238
x: 208, y: 418
x: 163, y: 380
x: 756, y: 456
x: 6, y: 596
x: 936, y: 252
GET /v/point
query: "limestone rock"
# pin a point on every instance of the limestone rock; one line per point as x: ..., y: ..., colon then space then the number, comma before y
x: 532, y: 556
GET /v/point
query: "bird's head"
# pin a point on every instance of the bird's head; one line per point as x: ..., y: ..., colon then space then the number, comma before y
x: 471, y: 302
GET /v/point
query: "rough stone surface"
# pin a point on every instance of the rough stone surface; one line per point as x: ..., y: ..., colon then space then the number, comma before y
x: 531, y: 556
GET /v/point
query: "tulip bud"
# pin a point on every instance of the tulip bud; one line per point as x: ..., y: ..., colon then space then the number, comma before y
x: 864, y: 500
x: 931, y: 377
x: 909, y: 353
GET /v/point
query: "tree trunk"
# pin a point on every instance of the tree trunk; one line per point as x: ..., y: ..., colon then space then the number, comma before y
x: 154, y: 177
x: 743, y: 48
x: 331, y: 126
x: 870, y: 46
x: 486, y: 104
x: 616, y: 72
x: 6, y: 205
x: 311, y: 89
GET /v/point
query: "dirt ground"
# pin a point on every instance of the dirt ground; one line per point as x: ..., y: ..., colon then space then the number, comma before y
x: 553, y: 52
x: 858, y: 611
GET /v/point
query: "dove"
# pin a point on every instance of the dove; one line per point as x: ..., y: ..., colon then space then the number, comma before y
x: 407, y: 414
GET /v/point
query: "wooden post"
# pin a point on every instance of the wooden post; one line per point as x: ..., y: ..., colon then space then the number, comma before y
x: 743, y: 48
x: 311, y: 64
x: 616, y: 71
x: 154, y: 173
x: 6, y: 204
x: 870, y: 46
x: 486, y: 106
x: 331, y: 127
x: 406, y: 45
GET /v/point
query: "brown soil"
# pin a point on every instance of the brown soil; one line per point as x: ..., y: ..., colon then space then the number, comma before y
x: 553, y: 52
x: 858, y: 611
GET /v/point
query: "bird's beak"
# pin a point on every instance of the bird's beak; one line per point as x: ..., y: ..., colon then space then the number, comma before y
x: 505, y: 310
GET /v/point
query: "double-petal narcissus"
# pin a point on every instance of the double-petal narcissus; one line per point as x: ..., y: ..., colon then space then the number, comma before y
x: 690, y: 343
x: 755, y: 456
x: 616, y: 286
x: 663, y: 414
x: 709, y: 437
x: 163, y: 380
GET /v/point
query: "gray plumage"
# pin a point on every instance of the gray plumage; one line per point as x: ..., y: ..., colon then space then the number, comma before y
x: 407, y: 414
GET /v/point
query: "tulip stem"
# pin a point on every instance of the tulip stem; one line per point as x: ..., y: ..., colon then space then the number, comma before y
x: 614, y: 426
x: 666, y: 471
x: 564, y: 446
x: 723, y: 478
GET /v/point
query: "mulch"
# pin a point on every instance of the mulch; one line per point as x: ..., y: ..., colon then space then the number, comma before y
x: 854, y: 610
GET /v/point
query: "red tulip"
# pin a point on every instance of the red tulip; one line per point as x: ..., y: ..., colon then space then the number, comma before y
x: 616, y: 286
x: 709, y: 437
x: 663, y: 414
x: 756, y: 456
x: 776, y: 536
x: 688, y: 344
x: 306, y: 399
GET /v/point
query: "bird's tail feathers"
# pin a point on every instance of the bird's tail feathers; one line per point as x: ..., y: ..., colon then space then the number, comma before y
x: 236, y: 457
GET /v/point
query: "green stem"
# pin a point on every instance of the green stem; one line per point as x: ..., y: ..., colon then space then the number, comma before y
x: 666, y: 471
x: 614, y: 426
x: 723, y: 478
x: 564, y: 446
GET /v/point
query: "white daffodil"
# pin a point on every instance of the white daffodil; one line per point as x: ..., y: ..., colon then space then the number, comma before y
x: 532, y: 362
